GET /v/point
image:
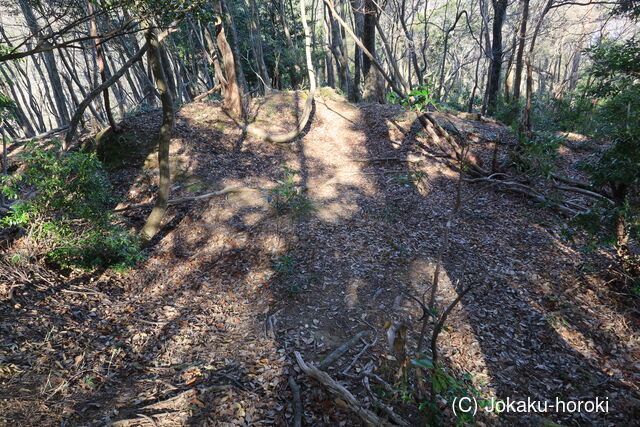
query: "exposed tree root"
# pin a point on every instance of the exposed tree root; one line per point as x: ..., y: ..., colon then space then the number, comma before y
x: 285, y: 137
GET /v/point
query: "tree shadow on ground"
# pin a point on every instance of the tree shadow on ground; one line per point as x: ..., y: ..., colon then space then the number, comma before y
x: 210, y: 321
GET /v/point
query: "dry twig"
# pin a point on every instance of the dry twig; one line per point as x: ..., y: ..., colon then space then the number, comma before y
x: 368, y: 417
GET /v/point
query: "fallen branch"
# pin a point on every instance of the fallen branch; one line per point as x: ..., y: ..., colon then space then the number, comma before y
x: 583, y: 191
x: 571, y: 182
x: 179, y: 401
x: 342, y: 349
x: 527, y: 191
x: 368, y: 417
x: 390, y: 413
x: 387, y: 159
x: 360, y: 353
x: 41, y: 135
x: 226, y: 190
x: 140, y: 421
x: 297, y: 402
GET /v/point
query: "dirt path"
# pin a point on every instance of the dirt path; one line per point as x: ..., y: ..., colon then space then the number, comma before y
x: 203, y: 332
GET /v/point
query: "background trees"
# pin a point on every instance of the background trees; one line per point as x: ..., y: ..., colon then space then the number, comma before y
x: 53, y: 54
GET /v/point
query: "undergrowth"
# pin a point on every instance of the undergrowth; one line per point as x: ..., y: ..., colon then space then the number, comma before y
x: 288, y: 198
x: 537, y: 156
x: 64, y: 208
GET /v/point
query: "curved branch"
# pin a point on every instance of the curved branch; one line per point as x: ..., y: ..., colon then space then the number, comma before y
x: 285, y: 137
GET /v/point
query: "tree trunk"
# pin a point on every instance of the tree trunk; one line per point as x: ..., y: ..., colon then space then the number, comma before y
x: 23, y: 120
x: 75, y: 120
x: 328, y: 61
x: 234, y: 43
x: 50, y: 65
x: 337, y: 49
x: 517, y: 81
x: 358, y: 17
x: 392, y: 84
x: 154, y: 220
x: 445, y: 49
x: 527, y: 123
x: 413, y: 57
x: 230, y: 88
x: 499, y: 11
x: 255, y: 34
x: 507, y: 71
x: 307, y: 49
x: 93, y: 32
x: 391, y: 59
x: 369, y: 33
x: 373, y: 84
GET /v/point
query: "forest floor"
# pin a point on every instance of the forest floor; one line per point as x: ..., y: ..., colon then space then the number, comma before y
x: 203, y: 332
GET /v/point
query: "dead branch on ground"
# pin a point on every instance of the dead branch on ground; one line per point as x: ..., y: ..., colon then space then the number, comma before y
x: 224, y: 191
x: 335, y: 354
x: 367, y: 416
x: 297, y: 402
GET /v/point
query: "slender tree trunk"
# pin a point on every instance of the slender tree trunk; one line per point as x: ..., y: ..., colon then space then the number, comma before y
x: 328, y: 61
x: 75, y: 120
x: 392, y: 84
x: 23, y: 120
x: 507, y: 71
x: 445, y: 51
x: 358, y: 17
x: 285, y: 26
x: 234, y: 42
x: 337, y: 47
x: 413, y: 57
x: 50, y: 65
x: 93, y: 32
x: 73, y: 73
x: 527, y: 123
x: 517, y: 81
x: 499, y: 11
x: 391, y: 59
x: 255, y: 33
x: 307, y: 48
x: 154, y: 220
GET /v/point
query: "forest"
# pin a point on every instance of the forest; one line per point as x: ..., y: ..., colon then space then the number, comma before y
x: 319, y: 212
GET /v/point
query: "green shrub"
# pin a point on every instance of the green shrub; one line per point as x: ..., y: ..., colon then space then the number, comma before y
x: 537, y: 156
x: 69, y: 213
x: 286, y: 197
x: 418, y: 99
x: 509, y: 113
